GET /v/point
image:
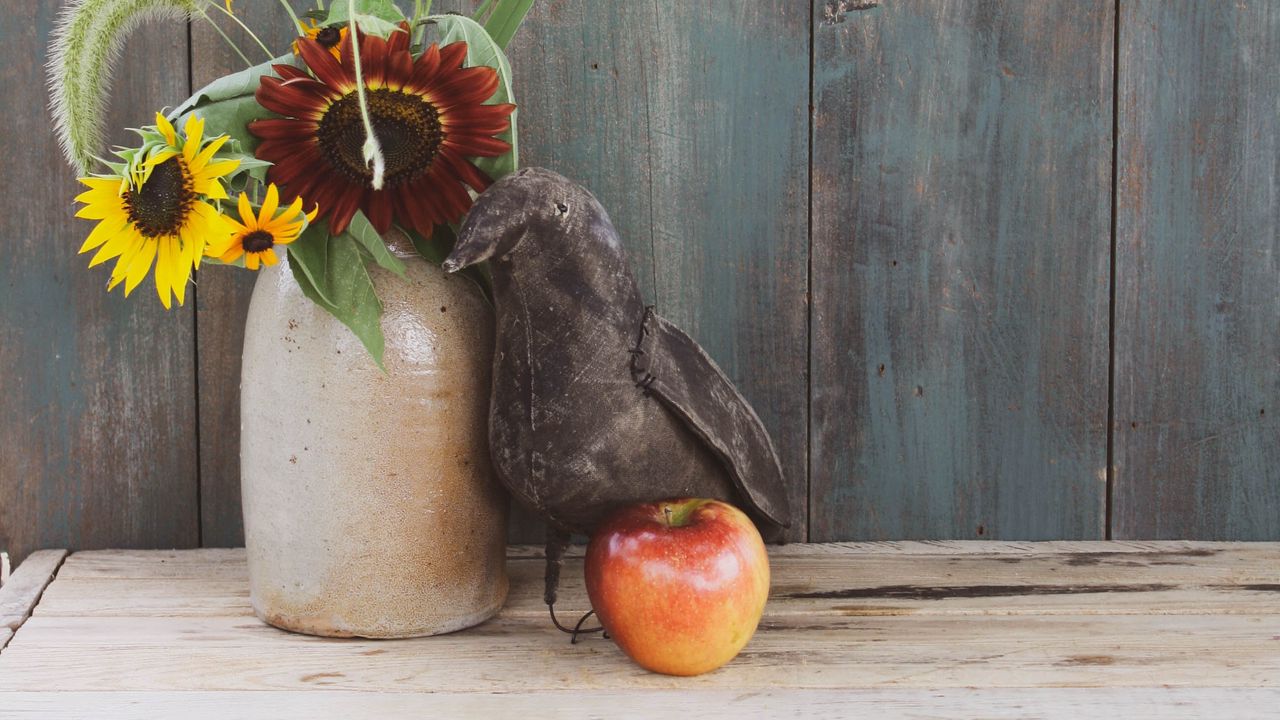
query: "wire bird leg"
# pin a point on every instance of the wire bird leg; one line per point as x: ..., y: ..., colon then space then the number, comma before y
x: 557, y: 542
x: 577, y: 628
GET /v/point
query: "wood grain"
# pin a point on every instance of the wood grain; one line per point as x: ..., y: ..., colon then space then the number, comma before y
x: 97, y: 421
x: 1016, y: 623
x: 961, y: 218
x: 23, y: 590
x: 688, y: 121
x: 1197, y: 357
x: 222, y: 297
x: 851, y: 580
x: 996, y: 704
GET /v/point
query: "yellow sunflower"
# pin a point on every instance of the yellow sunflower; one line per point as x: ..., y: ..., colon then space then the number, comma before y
x: 157, y: 210
x: 255, y: 237
x: 330, y: 38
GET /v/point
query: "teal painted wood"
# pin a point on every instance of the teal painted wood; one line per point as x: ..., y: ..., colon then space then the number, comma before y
x: 1197, y: 357
x: 688, y: 121
x: 961, y: 233
x: 97, y: 428
x: 222, y: 295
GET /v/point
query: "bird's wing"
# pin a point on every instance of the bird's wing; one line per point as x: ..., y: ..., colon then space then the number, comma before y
x: 669, y: 365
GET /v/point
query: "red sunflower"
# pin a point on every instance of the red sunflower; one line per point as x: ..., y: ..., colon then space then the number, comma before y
x: 428, y: 114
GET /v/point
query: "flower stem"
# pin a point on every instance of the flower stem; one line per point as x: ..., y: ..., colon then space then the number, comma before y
x: 372, y: 149
x: 244, y: 27
x: 421, y: 9
x: 226, y: 37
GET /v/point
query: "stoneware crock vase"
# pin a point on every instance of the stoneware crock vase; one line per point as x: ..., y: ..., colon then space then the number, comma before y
x: 370, y: 506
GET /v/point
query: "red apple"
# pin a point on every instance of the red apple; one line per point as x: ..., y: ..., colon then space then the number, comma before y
x: 680, y: 585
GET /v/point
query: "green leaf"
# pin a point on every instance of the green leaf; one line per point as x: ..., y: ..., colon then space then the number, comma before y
x: 483, y: 50
x: 506, y: 19
x: 228, y: 105
x: 364, y: 233
x: 381, y: 9
x: 309, y: 254
x: 376, y: 26
x: 235, y: 85
x: 231, y: 117
x: 335, y: 278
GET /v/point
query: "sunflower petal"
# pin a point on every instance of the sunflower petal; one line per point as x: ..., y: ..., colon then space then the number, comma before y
x: 140, y: 265
x: 251, y: 260
x: 233, y: 253
x: 159, y: 157
x: 267, y: 212
x: 208, y: 152
x: 219, y: 169
x: 122, y: 245
x: 246, y: 212
x: 115, y: 185
x: 166, y: 129
x: 211, y: 189
x: 194, y: 130
x: 181, y: 273
x: 104, y: 231
x: 327, y: 70
x: 164, y: 271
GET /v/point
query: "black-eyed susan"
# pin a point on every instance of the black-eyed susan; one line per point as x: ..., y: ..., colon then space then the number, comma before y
x: 329, y: 37
x: 255, y: 237
x: 427, y: 114
x: 157, y: 209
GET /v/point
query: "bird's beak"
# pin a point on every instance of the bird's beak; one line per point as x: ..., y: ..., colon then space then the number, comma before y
x: 468, y: 250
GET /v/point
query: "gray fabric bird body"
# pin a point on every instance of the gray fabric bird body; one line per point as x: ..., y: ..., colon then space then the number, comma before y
x: 597, y: 402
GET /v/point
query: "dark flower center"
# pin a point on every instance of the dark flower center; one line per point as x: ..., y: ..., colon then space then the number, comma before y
x: 407, y: 126
x: 258, y: 241
x: 329, y: 37
x: 161, y: 205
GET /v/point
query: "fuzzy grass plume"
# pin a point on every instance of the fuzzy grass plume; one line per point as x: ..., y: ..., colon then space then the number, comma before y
x: 85, y: 46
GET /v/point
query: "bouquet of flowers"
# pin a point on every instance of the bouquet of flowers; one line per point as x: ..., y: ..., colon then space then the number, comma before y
x: 371, y: 119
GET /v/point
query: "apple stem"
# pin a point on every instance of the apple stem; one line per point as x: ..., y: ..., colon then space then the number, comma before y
x: 667, y: 509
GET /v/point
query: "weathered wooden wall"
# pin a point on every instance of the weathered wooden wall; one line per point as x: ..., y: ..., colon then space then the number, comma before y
x: 986, y: 269
x: 1197, y: 306
x: 961, y: 243
x: 97, y: 397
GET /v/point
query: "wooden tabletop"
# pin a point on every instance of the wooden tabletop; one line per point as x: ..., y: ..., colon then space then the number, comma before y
x: 958, y: 629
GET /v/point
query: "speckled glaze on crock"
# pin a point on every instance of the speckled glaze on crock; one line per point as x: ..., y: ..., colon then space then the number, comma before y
x: 370, y: 505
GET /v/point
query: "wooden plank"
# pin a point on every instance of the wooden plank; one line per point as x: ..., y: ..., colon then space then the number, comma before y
x: 222, y: 301
x: 961, y: 224
x: 230, y: 653
x: 207, y: 564
x: 688, y: 122
x: 97, y: 437
x: 947, y: 547
x: 1220, y: 578
x: 1197, y: 382
x: 24, y: 588
x: 997, y: 704
x: 972, y: 626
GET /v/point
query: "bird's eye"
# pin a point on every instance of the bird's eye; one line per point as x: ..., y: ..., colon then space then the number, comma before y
x: 562, y: 208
